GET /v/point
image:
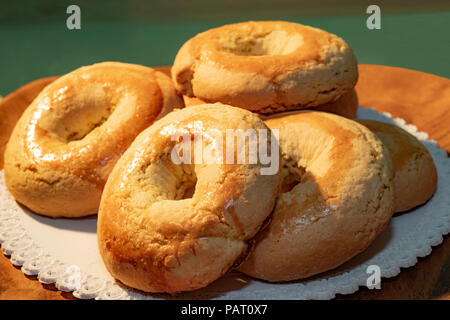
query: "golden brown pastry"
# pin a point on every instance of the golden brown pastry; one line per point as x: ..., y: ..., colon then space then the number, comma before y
x: 415, y: 173
x: 12, y: 107
x: 265, y: 66
x: 67, y: 141
x: 346, y: 105
x: 338, y: 195
x: 151, y: 237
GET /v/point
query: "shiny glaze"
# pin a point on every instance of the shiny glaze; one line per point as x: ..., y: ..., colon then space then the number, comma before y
x: 92, y: 157
x: 151, y: 239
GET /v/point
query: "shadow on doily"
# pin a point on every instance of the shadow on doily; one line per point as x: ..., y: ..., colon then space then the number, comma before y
x: 236, y: 281
x: 85, y: 224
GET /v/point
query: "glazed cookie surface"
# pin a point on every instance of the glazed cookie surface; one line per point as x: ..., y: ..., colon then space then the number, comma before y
x: 155, y: 238
x: 265, y: 66
x: 415, y: 173
x: 66, y: 143
x: 337, y: 197
x: 13, y: 105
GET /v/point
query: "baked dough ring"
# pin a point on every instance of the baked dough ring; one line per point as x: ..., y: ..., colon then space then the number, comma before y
x: 65, y: 144
x: 265, y: 66
x: 343, y: 200
x: 152, y: 239
x: 415, y: 173
x: 346, y: 105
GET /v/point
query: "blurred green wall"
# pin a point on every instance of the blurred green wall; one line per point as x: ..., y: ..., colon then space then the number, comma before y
x: 34, y: 40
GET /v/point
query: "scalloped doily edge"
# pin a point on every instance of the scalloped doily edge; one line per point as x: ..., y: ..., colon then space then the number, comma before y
x: 23, y: 252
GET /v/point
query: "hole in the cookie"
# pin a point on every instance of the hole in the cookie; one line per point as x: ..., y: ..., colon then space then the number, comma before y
x: 292, y: 176
x: 268, y: 44
x: 88, y: 127
x: 189, y: 191
x: 287, y: 185
x: 187, y: 181
x: 83, y: 112
x: 93, y: 117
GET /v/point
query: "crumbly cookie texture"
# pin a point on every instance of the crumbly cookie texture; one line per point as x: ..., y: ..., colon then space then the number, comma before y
x: 346, y: 105
x: 151, y: 237
x: 67, y: 141
x: 337, y: 197
x: 266, y: 65
x: 415, y: 173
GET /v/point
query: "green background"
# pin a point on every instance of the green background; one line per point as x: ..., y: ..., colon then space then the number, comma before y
x: 34, y: 40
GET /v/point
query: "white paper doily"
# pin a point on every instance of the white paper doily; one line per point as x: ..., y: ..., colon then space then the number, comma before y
x: 64, y: 251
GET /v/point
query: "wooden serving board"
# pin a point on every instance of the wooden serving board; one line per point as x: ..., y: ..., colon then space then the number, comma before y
x: 419, y: 98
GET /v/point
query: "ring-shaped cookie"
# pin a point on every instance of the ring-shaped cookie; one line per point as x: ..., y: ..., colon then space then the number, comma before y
x: 338, y: 196
x: 67, y: 141
x: 153, y: 239
x: 264, y: 66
